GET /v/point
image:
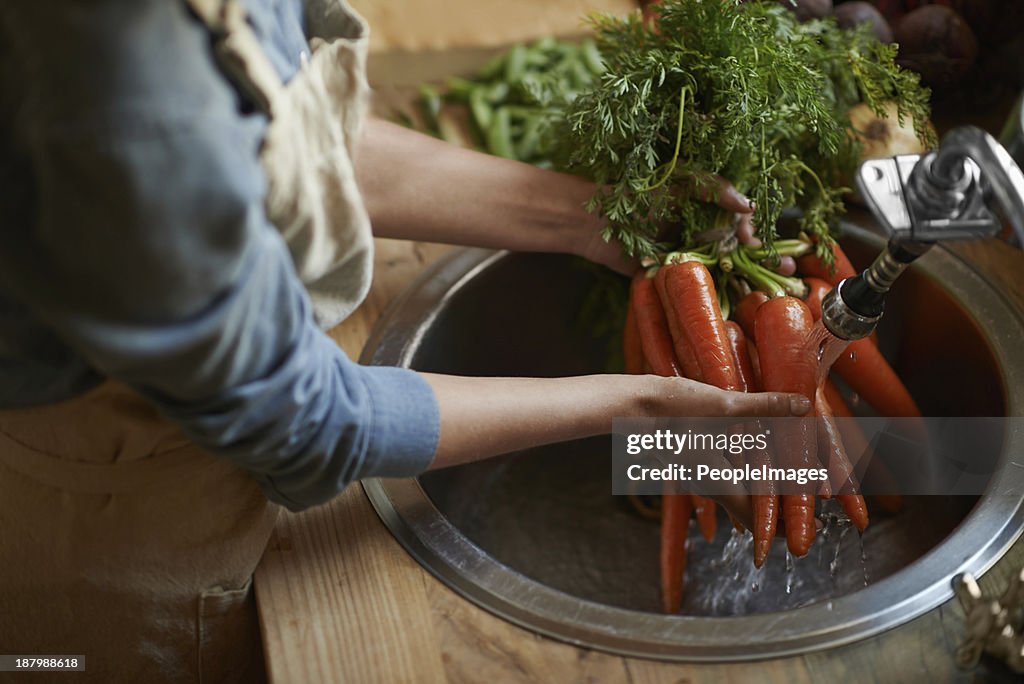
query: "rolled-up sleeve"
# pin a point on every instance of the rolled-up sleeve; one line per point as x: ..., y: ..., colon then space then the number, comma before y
x: 151, y: 256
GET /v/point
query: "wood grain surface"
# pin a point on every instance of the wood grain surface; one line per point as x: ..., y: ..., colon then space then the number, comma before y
x: 341, y: 601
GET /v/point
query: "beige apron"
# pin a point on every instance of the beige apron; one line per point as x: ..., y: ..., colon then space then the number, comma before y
x: 119, y: 539
x: 307, y: 152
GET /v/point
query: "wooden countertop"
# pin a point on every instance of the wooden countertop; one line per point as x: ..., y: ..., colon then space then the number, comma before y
x: 341, y: 601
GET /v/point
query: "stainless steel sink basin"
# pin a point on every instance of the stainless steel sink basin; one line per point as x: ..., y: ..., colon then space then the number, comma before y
x: 537, y: 538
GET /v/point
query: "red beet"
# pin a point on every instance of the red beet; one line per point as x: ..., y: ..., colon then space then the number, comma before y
x: 892, y: 10
x: 936, y: 42
x: 851, y: 14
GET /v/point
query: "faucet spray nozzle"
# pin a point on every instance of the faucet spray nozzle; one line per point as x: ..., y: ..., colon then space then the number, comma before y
x: 853, y: 309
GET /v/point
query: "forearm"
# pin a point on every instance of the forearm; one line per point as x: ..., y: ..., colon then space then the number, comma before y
x: 483, y: 417
x: 419, y: 188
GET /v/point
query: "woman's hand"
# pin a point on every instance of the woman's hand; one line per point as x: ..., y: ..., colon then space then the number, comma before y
x: 723, y: 193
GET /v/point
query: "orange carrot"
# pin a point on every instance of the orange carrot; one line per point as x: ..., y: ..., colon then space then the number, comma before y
x: 691, y: 301
x: 816, y: 291
x: 707, y: 519
x: 811, y: 265
x: 840, y: 472
x: 747, y: 309
x: 868, y: 374
x: 658, y: 357
x: 857, y: 443
x: 688, y: 293
x: 755, y: 363
x: 632, y: 346
x: 781, y: 326
x: 835, y: 399
x: 675, y: 522
x: 680, y: 342
x: 765, y: 501
x: 655, y: 338
x: 765, y: 495
x: 740, y: 350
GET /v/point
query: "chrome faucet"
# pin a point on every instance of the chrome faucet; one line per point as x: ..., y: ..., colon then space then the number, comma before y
x: 964, y: 190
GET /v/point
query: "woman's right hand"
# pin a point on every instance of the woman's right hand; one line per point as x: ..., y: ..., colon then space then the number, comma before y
x: 679, y: 397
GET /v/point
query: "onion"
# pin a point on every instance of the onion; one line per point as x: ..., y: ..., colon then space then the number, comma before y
x: 883, y: 136
x: 936, y: 42
x: 852, y: 14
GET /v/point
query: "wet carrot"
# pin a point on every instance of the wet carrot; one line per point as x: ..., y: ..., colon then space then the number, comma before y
x: 868, y: 374
x: 764, y: 494
x: 811, y: 265
x: 680, y: 342
x: 798, y: 512
x: 857, y: 444
x: 755, y: 364
x: 781, y: 326
x: 766, y: 511
x: 816, y: 291
x: 632, y: 346
x: 835, y: 399
x: 707, y: 519
x: 840, y: 472
x: 675, y: 522
x: 659, y: 357
x: 740, y: 350
x: 655, y: 338
x: 746, y: 311
x: 691, y: 301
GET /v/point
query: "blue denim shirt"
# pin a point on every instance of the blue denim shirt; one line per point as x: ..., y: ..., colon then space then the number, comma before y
x: 134, y: 246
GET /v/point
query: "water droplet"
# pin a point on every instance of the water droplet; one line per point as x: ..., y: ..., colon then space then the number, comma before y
x: 863, y: 559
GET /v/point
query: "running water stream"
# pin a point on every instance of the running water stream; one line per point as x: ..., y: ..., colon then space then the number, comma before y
x: 826, y: 347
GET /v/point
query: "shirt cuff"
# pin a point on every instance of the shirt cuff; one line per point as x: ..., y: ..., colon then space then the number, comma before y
x: 405, y: 423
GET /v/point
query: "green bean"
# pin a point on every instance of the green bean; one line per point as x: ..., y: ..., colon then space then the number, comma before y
x: 506, y: 102
x: 530, y: 139
x: 430, y: 101
x: 480, y: 109
x: 497, y: 92
x: 460, y: 88
x: 516, y: 65
x: 499, y: 138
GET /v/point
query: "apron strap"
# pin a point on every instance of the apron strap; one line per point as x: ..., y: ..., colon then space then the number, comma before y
x: 239, y: 53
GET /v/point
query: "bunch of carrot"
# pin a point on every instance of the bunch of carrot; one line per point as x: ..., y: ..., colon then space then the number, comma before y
x: 675, y: 327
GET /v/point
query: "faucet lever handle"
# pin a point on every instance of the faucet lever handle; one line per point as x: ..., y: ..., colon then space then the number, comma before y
x: 909, y: 208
